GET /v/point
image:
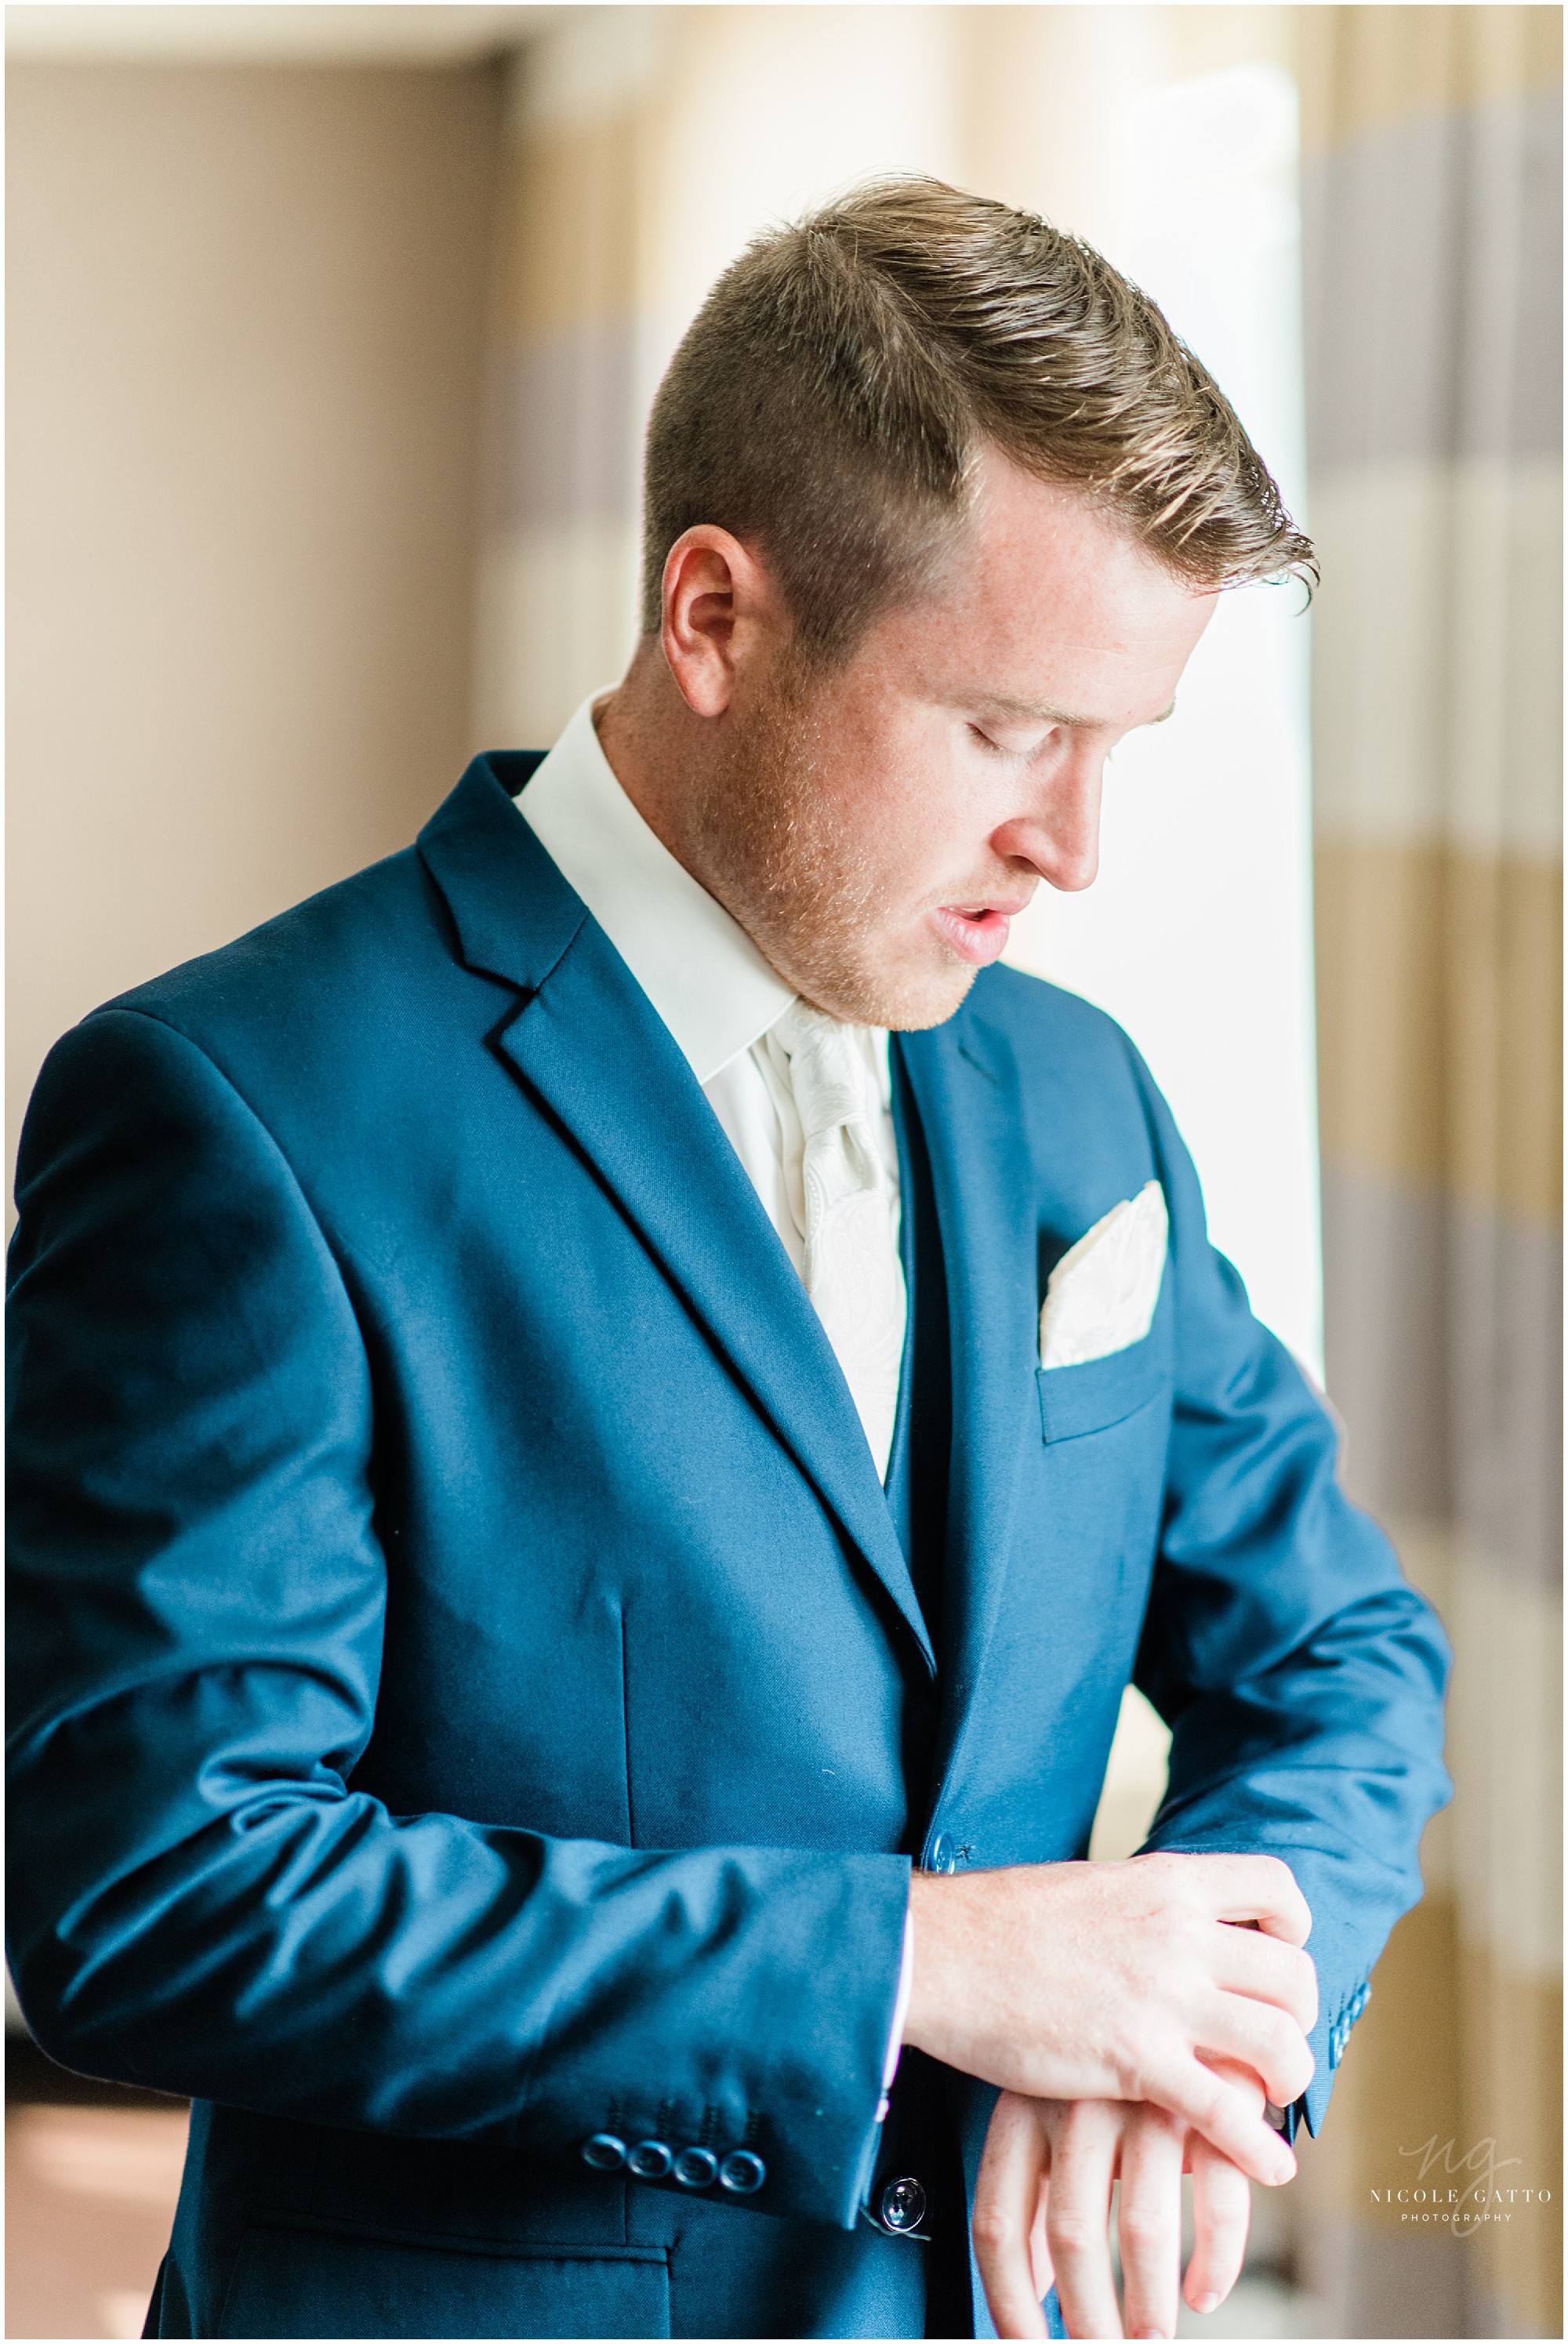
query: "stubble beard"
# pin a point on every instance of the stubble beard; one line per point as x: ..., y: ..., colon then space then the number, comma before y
x: 771, y: 843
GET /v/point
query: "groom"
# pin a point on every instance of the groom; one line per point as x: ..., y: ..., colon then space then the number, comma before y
x: 603, y: 1412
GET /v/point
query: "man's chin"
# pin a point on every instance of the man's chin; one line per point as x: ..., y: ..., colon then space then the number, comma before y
x: 919, y: 1018
x: 908, y: 997
x: 912, y: 1002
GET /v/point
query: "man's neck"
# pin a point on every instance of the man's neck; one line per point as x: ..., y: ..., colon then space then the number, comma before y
x: 651, y: 743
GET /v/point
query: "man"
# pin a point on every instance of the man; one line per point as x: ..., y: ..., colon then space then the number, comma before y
x: 567, y: 1627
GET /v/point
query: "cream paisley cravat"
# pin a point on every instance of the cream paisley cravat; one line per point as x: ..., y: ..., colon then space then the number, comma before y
x: 846, y: 1212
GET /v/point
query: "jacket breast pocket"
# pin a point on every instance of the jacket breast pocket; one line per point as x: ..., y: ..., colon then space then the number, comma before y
x: 294, y: 2281
x: 1100, y: 1392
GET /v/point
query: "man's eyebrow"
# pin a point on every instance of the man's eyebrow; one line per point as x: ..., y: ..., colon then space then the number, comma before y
x: 1042, y: 713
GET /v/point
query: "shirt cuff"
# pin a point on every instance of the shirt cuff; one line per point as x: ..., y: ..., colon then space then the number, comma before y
x: 900, y: 2011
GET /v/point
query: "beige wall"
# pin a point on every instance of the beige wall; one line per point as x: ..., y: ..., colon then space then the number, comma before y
x: 245, y: 350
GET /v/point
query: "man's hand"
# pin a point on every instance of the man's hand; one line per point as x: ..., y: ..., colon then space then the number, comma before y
x: 1125, y: 1982
x: 1042, y: 2209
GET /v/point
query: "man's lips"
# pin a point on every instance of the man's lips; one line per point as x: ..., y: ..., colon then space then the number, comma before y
x: 977, y: 933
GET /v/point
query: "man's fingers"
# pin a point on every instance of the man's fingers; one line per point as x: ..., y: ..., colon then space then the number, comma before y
x: 1040, y: 2265
x: 1257, y: 2036
x: 1246, y: 1962
x: 1221, y: 2209
x: 1006, y: 2205
x: 1257, y: 1888
x: 1148, y: 2222
x: 1227, y: 2116
x: 1078, y: 2214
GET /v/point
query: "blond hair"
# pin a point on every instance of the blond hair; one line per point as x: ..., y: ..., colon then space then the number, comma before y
x: 828, y: 400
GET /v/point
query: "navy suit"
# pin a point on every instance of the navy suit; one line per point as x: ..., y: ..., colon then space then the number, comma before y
x: 469, y: 1689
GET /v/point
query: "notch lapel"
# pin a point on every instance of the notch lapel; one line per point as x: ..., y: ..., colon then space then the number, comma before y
x: 965, y: 1085
x: 589, y: 1046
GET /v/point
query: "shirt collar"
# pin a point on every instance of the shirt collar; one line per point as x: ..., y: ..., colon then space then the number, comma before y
x: 697, y: 965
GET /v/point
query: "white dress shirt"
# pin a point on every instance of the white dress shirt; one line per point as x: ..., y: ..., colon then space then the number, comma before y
x: 718, y: 997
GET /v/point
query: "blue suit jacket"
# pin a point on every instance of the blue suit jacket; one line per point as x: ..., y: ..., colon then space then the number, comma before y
x: 463, y: 1668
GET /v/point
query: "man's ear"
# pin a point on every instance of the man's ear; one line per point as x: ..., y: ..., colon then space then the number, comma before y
x: 721, y: 613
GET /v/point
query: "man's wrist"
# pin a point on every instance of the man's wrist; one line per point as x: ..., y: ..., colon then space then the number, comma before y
x: 941, y: 1947
x: 900, y: 2010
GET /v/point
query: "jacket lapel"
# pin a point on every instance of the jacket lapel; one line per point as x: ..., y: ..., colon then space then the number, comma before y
x: 587, y: 1042
x: 965, y: 1085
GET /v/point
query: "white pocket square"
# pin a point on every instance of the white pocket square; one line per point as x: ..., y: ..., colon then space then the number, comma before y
x: 1101, y: 1295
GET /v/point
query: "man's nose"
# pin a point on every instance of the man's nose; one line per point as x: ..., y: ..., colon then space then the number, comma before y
x: 1060, y: 836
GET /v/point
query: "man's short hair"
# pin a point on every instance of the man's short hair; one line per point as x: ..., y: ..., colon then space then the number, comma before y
x: 830, y: 396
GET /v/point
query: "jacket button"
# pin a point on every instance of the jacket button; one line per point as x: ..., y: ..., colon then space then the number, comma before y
x: 903, y: 2204
x: 604, y: 2152
x: 696, y: 2168
x: 743, y: 2172
x: 943, y: 1854
x: 650, y: 2160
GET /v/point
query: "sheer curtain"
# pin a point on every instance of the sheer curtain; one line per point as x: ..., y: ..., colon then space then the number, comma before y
x: 1434, y: 351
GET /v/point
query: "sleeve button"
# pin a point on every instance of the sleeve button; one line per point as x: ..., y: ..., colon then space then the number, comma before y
x: 604, y: 2152
x: 650, y: 2160
x: 743, y: 2172
x: 696, y: 2168
x: 903, y: 2204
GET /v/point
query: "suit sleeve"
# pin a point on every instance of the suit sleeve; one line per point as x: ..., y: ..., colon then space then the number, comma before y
x: 198, y: 1898
x: 1302, y: 1675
